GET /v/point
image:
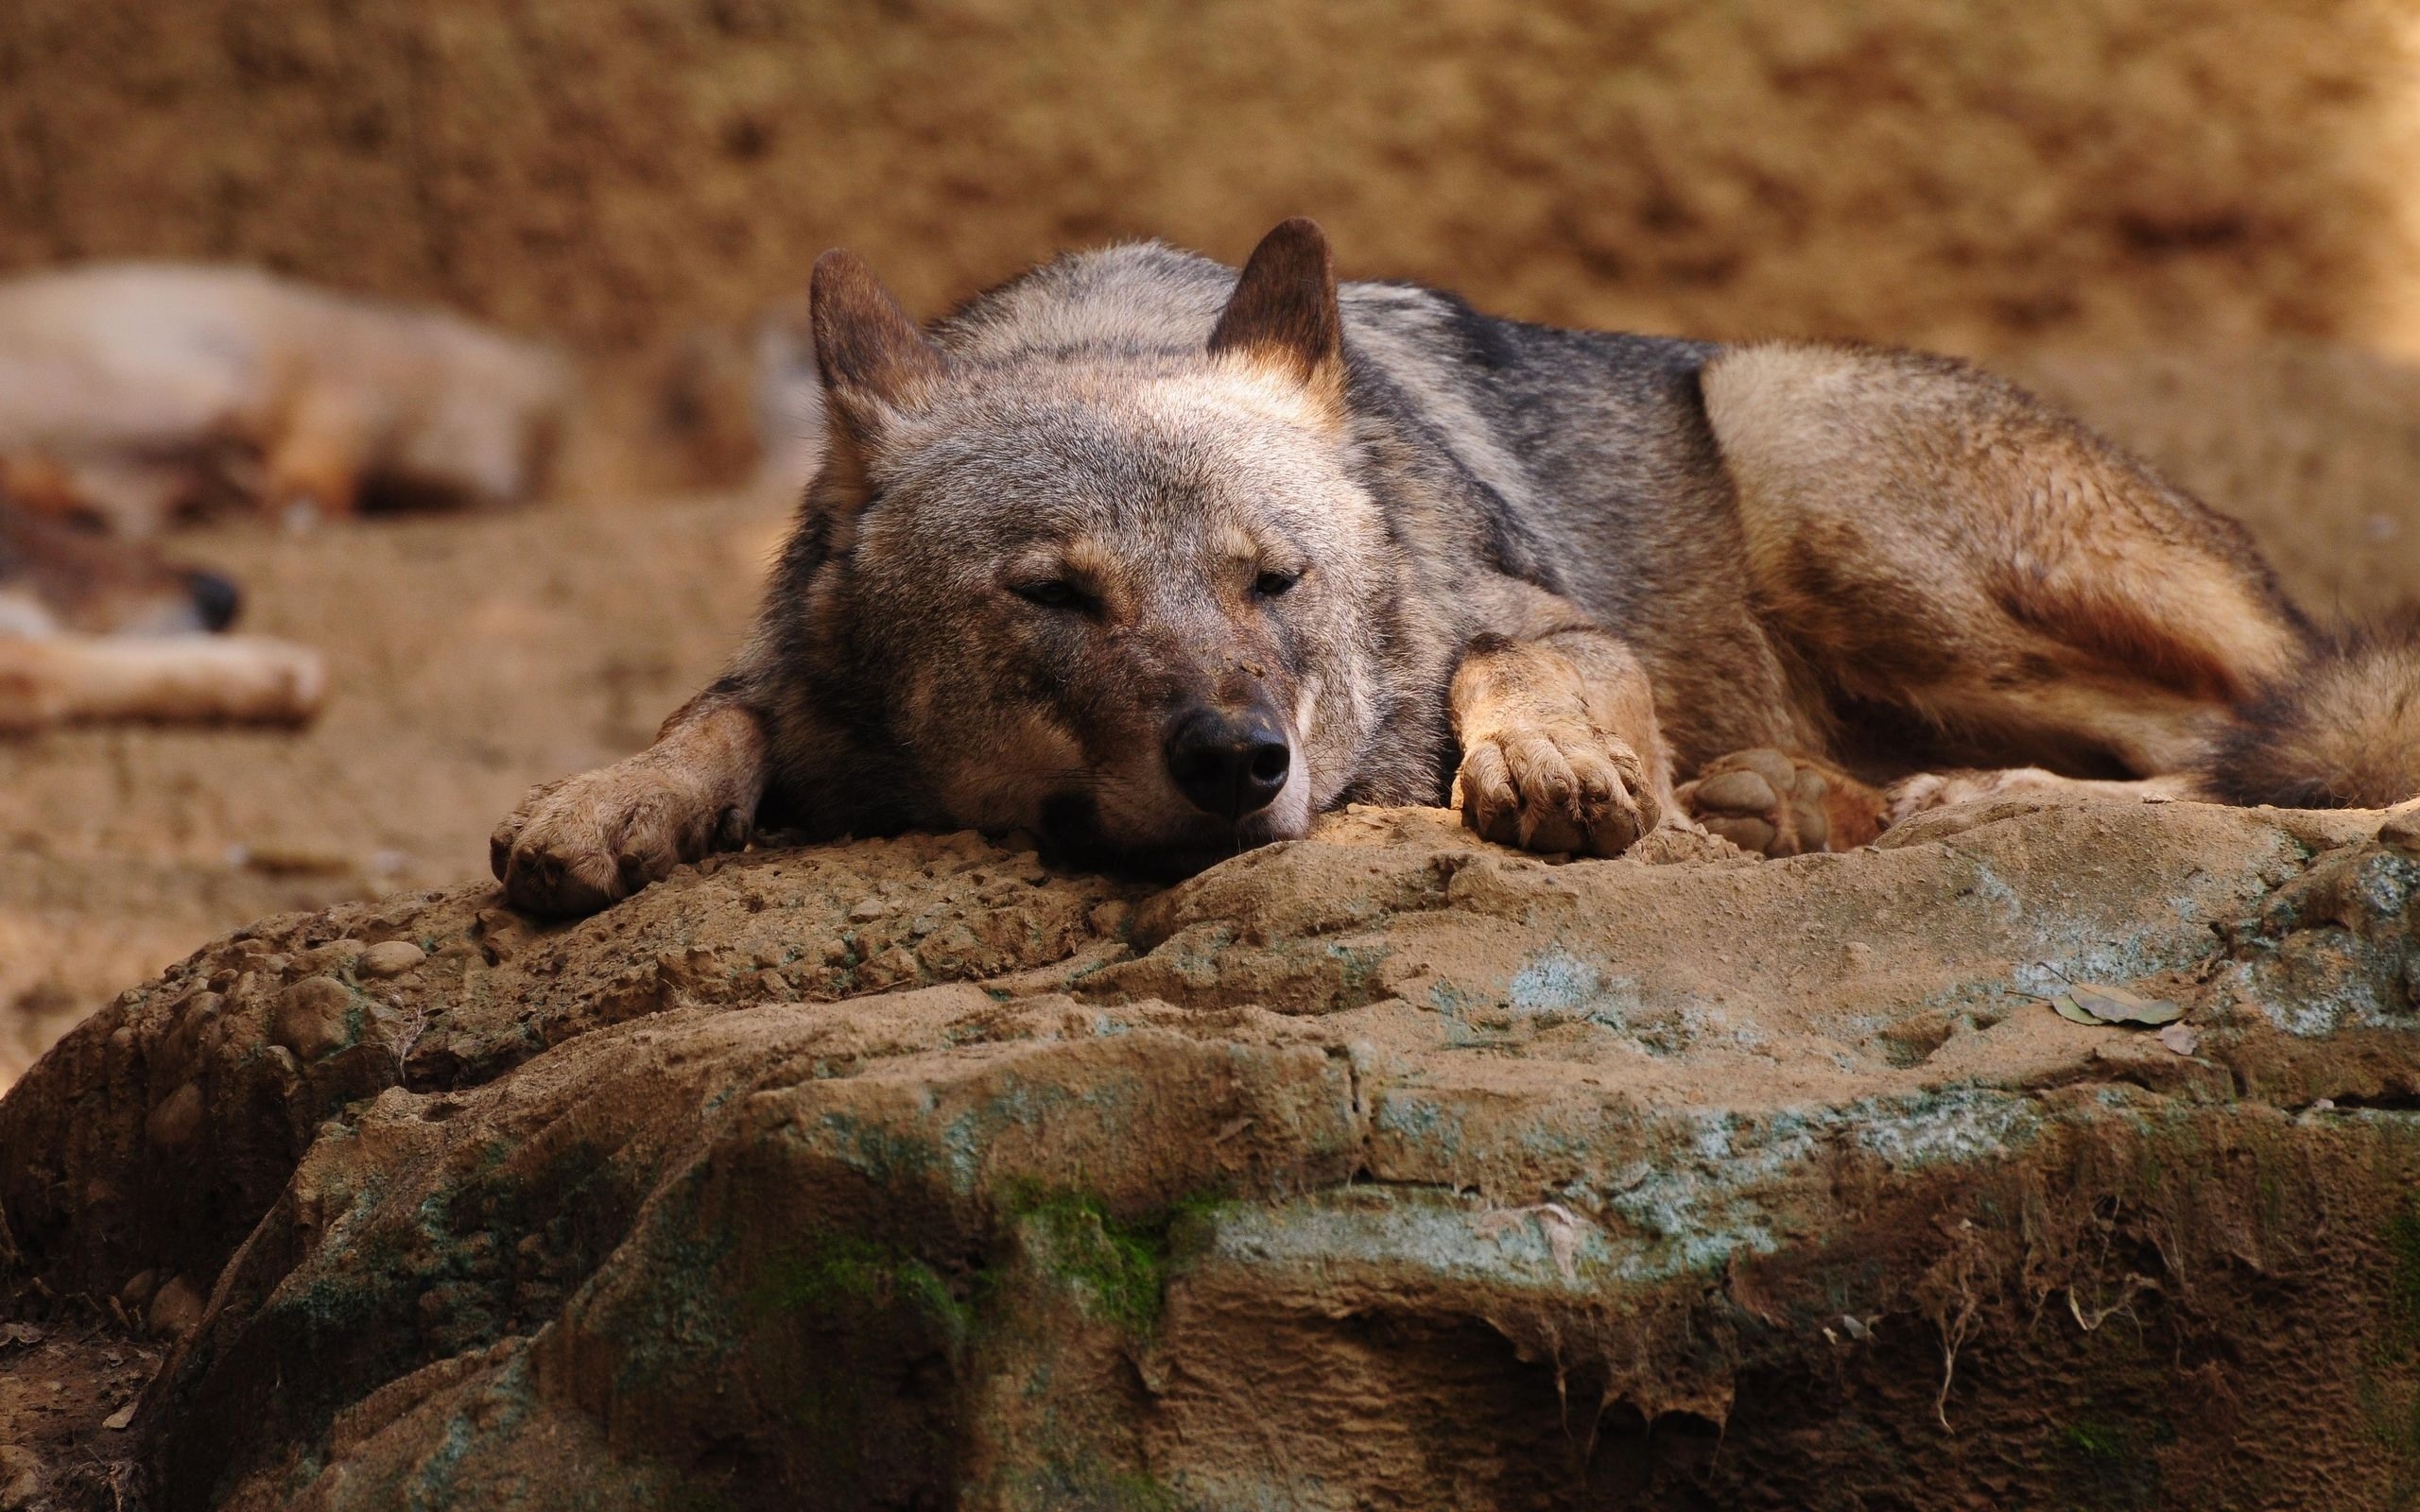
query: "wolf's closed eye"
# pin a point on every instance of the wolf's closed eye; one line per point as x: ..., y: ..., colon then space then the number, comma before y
x: 1052, y: 594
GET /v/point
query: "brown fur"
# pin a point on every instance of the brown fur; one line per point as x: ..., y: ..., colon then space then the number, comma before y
x: 2340, y: 730
x: 1284, y: 313
x: 130, y: 391
x: 1158, y: 561
x: 57, y: 577
x: 94, y: 629
x: 186, y: 680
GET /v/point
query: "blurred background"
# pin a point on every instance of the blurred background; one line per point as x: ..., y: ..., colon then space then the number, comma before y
x: 2194, y: 221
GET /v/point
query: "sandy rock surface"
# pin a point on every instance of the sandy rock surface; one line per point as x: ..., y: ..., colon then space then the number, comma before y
x: 1382, y: 1169
x: 471, y: 656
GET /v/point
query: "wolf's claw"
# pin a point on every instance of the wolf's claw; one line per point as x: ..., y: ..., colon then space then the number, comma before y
x: 576, y: 845
x: 1556, y: 789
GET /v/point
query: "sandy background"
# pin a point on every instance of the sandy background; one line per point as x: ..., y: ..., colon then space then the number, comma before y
x: 618, y: 171
x: 2189, y: 219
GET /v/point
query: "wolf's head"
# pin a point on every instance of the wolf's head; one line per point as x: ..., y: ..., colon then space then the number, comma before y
x: 55, y: 575
x: 1120, y: 591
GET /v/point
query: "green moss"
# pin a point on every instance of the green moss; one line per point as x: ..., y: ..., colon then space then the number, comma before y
x: 842, y: 1274
x: 2403, y: 1295
x: 1119, y: 1266
x: 1142, y: 1493
x: 2390, y: 1399
x: 830, y: 1325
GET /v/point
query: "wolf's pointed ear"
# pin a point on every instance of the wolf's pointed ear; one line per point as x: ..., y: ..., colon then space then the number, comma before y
x: 873, y: 360
x: 1283, y: 313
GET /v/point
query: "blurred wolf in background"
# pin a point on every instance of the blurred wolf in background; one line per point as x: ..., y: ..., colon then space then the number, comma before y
x: 1158, y: 562
x: 129, y: 391
x: 94, y: 627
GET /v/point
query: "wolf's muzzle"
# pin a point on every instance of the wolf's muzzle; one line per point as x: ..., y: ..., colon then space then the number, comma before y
x: 1228, y: 765
x: 216, y: 601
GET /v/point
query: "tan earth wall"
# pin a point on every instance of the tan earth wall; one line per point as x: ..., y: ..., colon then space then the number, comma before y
x: 1975, y: 175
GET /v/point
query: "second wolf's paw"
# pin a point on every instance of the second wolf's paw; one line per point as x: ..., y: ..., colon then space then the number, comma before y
x: 1556, y: 789
x: 579, y: 843
x: 1776, y: 804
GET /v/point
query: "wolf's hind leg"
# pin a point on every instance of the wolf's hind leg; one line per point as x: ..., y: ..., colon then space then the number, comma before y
x: 1783, y: 803
x: 1934, y: 543
x: 578, y: 844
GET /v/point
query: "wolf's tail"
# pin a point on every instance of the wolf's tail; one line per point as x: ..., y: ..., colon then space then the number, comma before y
x: 2342, y: 730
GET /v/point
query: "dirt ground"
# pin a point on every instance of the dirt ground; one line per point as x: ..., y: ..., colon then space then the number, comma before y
x: 470, y: 658
x: 1976, y: 176
x: 474, y: 656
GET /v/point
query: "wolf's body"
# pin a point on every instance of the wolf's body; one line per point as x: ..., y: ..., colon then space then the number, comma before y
x: 94, y: 629
x: 127, y: 389
x: 1046, y: 577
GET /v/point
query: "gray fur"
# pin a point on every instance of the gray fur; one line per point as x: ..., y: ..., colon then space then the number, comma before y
x: 1045, y: 530
x: 1580, y: 463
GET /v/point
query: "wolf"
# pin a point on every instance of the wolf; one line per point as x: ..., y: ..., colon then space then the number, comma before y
x: 1156, y: 560
x: 129, y: 390
x: 94, y: 627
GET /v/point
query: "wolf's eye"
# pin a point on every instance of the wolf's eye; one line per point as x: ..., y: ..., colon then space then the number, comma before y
x: 1270, y: 584
x: 1053, y: 594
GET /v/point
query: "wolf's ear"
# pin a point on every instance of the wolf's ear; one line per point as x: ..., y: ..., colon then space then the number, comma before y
x: 1283, y: 313
x: 873, y: 360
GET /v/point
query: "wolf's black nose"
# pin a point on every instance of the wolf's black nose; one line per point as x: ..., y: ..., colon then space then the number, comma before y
x: 1227, y: 766
x: 216, y: 600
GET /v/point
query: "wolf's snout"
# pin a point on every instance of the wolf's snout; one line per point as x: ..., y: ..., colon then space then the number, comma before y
x: 1228, y: 766
x: 216, y: 601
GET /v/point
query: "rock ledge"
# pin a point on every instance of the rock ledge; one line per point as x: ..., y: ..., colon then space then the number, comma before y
x: 1380, y: 1169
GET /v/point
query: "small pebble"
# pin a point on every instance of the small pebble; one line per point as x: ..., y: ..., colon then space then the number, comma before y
x: 309, y: 1017
x: 333, y: 956
x: 390, y: 958
x: 174, y: 1123
x: 2402, y: 833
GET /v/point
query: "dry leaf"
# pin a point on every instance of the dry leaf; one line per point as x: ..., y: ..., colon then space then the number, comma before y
x: 2118, y: 1006
x: 2182, y: 1037
x: 2098, y: 1003
x: 121, y: 1418
x: 2069, y: 1008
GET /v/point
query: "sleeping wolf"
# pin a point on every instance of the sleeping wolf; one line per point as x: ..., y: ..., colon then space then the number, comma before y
x: 94, y: 627
x: 129, y: 389
x: 1157, y: 561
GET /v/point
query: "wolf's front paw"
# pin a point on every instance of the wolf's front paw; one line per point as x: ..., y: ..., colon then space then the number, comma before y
x: 1776, y: 804
x: 1556, y: 788
x: 579, y: 843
